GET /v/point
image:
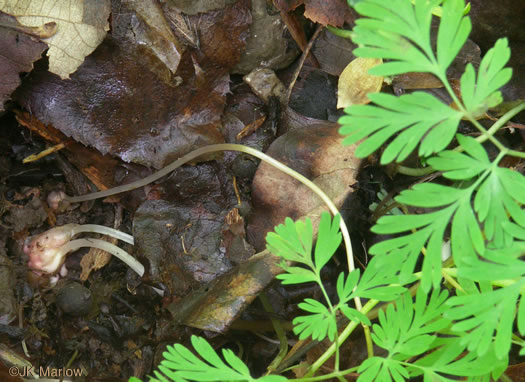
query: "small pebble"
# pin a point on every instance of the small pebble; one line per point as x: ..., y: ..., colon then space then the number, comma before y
x: 74, y: 299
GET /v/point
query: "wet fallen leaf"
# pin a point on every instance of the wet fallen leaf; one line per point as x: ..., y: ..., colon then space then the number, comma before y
x: 216, y: 305
x: 355, y: 83
x: 19, y: 51
x: 317, y: 153
x: 327, y: 12
x: 179, y: 229
x: 268, y: 45
x: 333, y: 52
x: 82, y: 25
x: 265, y: 84
x: 155, y: 33
x: 116, y: 104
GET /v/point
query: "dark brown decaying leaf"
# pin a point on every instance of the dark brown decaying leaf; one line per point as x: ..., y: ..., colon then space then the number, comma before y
x: 269, y: 45
x: 287, y: 5
x: 318, y: 154
x: 333, y: 52
x: 18, y: 52
x: 215, y: 306
x: 179, y: 228
x: 327, y: 12
x: 115, y: 103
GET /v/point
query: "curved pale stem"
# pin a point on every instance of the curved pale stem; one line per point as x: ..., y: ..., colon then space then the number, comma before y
x: 105, y: 246
x: 78, y: 228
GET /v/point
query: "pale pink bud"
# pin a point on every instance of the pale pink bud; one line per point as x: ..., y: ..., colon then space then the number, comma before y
x: 43, y: 249
x: 55, y: 198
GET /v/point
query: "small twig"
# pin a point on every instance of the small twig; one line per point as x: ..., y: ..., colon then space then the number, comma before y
x: 301, y: 62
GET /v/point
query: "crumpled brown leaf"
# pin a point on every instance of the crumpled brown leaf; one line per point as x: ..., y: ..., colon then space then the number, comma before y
x: 327, y: 12
x: 179, y: 228
x: 18, y: 52
x: 82, y: 25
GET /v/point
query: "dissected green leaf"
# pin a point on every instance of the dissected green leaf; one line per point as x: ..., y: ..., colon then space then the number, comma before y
x: 181, y: 365
x: 381, y: 370
x: 379, y: 281
x: 318, y: 325
x: 481, y: 93
x: 449, y: 357
x: 407, y: 329
x: 486, y: 318
x: 292, y: 241
x: 400, y: 32
x: 459, y: 166
x: 417, y: 116
x: 498, y: 197
x: 328, y: 239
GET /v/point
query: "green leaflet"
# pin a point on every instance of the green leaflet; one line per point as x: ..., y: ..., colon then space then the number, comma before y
x: 414, y: 116
x: 180, y: 365
x: 478, y: 96
x: 397, y: 31
x: 405, y: 331
x: 400, y: 33
x: 482, y: 315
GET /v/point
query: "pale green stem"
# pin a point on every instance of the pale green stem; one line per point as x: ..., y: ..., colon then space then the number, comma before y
x: 342, y: 338
x: 105, y: 246
x: 502, y: 121
x: 281, y: 334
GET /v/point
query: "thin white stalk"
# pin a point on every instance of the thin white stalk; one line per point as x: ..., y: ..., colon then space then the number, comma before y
x: 105, y: 246
x: 79, y: 228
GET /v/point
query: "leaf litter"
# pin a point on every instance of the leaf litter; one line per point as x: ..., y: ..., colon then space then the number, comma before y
x: 160, y: 84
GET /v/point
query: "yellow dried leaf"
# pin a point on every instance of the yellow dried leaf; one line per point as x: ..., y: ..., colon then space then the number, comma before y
x: 81, y: 27
x: 355, y: 82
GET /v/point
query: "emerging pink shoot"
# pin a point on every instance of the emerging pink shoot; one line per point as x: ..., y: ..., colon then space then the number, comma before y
x: 48, y: 250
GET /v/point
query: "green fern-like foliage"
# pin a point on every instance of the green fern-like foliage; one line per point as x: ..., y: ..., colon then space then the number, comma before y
x: 481, y: 204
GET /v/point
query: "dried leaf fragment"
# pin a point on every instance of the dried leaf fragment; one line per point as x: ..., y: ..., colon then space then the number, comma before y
x: 355, y: 82
x: 158, y: 35
x: 327, y: 12
x: 82, y: 25
x: 17, y: 54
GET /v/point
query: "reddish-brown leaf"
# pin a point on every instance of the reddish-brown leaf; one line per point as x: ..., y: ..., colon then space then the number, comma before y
x: 327, y: 12
x: 18, y: 52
